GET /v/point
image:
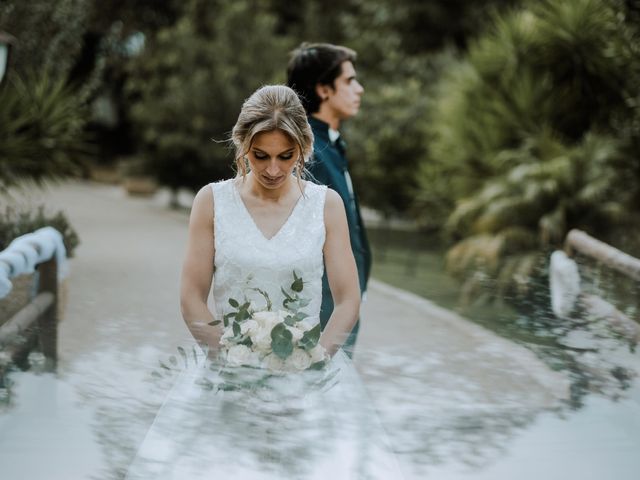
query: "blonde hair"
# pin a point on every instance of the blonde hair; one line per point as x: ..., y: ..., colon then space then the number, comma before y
x: 272, y: 107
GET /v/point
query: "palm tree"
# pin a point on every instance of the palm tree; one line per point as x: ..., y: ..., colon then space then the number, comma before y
x: 539, y: 126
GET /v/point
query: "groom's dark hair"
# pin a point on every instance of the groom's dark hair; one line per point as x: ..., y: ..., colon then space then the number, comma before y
x: 316, y: 63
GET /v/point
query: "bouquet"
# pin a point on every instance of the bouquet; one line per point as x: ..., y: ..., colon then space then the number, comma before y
x: 279, y: 340
x: 261, y: 347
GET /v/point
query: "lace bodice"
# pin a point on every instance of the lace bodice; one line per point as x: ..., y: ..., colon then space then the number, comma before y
x: 246, y: 260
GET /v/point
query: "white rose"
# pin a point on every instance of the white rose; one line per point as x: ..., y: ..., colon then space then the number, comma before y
x: 248, y: 326
x: 261, y: 338
x: 273, y: 363
x: 317, y: 353
x: 296, y: 333
x: 239, y: 355
x: 266, y: 319
x: 298, y: 360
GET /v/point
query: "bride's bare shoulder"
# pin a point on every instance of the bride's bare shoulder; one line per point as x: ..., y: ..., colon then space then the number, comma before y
x: 202, y: 206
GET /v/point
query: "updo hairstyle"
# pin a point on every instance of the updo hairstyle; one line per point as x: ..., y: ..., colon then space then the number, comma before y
x: 272, y: 107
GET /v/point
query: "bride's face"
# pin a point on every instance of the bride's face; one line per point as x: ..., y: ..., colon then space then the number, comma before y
x: 272, y: 157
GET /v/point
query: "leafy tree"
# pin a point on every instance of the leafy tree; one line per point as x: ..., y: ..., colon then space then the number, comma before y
x: 42, y: 115
x: 399, y: 61
x: 187, y: 87
x: 539, y: 128
x: 49, y: 34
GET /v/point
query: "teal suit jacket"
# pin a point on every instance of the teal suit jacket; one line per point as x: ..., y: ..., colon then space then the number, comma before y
x: 328, y: 167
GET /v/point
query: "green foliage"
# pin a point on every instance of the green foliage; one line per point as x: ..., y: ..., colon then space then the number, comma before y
x: 43, y: 116
x: 537, y: 129
x: 42, y: 134
x: 16, y: 221
x: 281, y: 341
x: 387, y: 145
x: 187, y: 87
x: 49, y: 33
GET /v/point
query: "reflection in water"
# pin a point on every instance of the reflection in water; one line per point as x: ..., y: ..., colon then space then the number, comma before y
x: 435, y: 418
x: 291, y: 429
x: 439, y: 425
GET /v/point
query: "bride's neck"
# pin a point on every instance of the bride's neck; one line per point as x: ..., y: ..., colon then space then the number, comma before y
x: 253, y: 188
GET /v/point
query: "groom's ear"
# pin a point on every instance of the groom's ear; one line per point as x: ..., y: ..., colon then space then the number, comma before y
x: 323, y: 91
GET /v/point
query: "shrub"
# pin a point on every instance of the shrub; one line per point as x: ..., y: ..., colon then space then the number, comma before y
x: 41, y: 130
x: 16, y: 221
x: 538, y: 126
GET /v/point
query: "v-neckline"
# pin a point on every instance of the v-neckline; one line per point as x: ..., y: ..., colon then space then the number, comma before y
x: 243, y: 206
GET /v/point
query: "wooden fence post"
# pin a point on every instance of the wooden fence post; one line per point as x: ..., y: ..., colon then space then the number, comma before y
x: 48, y: 321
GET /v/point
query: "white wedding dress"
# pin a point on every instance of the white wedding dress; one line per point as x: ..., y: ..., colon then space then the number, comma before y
x: 311, y: 425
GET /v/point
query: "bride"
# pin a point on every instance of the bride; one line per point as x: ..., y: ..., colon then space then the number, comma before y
x: 248, y: 238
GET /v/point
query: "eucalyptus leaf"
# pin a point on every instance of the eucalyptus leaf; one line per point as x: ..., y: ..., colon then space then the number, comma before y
x: 281, y: 341
x: 227, y: 317
x: 297, y: 285
x: 318, y: 365
x: 234, y: 303
x: 286, y: 295
x: 214, y: 323
x: 236, y: 329
x: 310, y: 338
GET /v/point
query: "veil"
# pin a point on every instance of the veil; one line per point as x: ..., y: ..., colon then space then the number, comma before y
x: 308, y: 425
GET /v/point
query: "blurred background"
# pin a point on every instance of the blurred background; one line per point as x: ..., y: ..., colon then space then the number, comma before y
x: 494, y: 127
x: 488, y: 130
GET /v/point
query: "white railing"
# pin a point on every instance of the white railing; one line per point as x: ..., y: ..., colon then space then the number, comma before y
x: 42, y: 253
x: 567, y: 296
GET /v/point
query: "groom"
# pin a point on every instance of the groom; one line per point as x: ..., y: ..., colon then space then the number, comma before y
x: 324, y: 77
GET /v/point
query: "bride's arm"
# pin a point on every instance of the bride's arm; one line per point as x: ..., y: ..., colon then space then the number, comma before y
x: 342, y: 274
x: 197, y: 272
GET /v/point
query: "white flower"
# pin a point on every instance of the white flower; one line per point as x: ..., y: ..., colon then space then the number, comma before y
x: 298, y: 360
x: 267, y: 319
x: 273, y: 362
x: 248, y: 326
x: 296, y: 333
x: 317, y: 353
x: 261, y: 338
x: 239, y: 355
x: 226, y: 335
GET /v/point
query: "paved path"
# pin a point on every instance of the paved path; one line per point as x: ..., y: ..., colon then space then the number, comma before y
x: 452, y: 396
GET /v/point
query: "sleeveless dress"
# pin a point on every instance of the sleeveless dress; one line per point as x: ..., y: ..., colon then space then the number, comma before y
x: 245, y: 260
x: 329, y: 431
